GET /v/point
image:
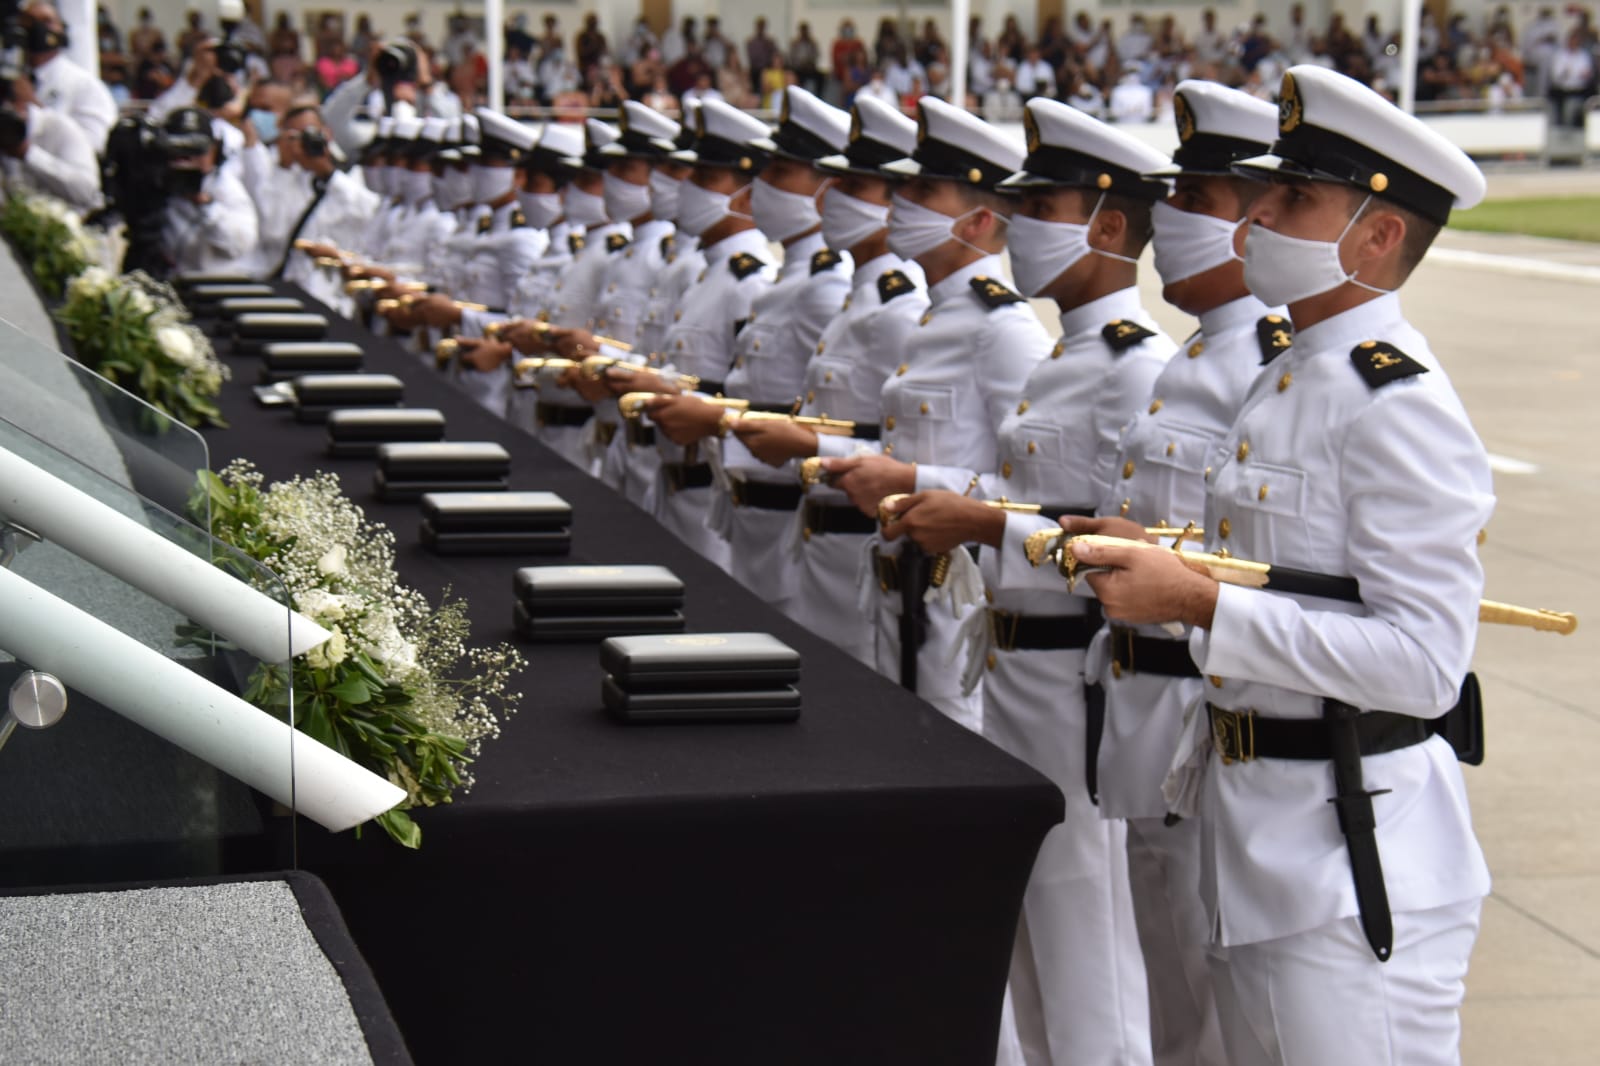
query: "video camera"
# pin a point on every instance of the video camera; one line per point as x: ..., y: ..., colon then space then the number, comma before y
x: 230, y: 58
x: 138, y: 178
x: 397, y: 63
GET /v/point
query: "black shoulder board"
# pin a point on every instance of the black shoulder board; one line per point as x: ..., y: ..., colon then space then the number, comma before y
x: 616, y: 242
x: 1274, y: 334
x: 484, y: 223
x: 518, y: 219
x: 993, y: 293
x: 1379, y: 363
x: 744, y: 264
x: 826, y: 259
x: 575, y: 242
x: 669, y: 246
x: 892, y: 283
x: 1122, y: 335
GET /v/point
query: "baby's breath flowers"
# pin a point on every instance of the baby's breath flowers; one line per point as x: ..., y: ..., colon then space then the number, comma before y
x: 397, y: 688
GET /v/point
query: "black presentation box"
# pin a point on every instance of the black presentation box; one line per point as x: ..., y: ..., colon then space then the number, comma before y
x: 410, y: 470
x: 287, y: 360
x: 253, y: 331
x: 204, y: 299
x: 234, y: 306
x: 577, y: 603
x: 496, y: 523
x: 317, y: 394
x: 700, y: 677
x: 356, y: 432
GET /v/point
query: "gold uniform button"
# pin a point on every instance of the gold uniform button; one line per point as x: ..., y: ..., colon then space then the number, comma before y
x: 738, y: 364
x: 680, y: 346
x: 1172, y: 446
x: 990, y: 661
x: 1196, y: 348
x: 900, y: 371
x: 923, y: 407
x: 1156, y: 405
x: 805, y: 533
x: 828, y: 377
x: 677, y: 316
x: 612, y: 287
x: 1033, y: 446
x: 755, y: 346
x: 820, y: 346
x: 1061, y: 346
x: 1208, y: 473
x: 1262, y: 494
x: 846, y: 306
x: 811, y: 397
x: 702, y: 276
x: 1244, y: 450
x: 1005, y: 468
x: 988, y: 595
x: 888, y: 423
x: 1022, y: 408
x: 888, y: 449
x: 1126, y: 505
x: 927, y: 316
x: 1216, y: 682
x: 750, y: 319
x: 1224, y: 528
x: 1127, y: 469
x: 1284, y: 382
x: 1116, y: 669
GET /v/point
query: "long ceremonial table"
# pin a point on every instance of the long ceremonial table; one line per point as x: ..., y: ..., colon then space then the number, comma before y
x: 839, y: 890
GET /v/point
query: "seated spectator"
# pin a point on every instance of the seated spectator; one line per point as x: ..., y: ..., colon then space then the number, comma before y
x: 606, y: 90
x: 1132, y: 100
x: 644, y: 71
x: 733, y: 82
x: 1081, y: 93
x: 1135, y: 44
x: 774, y: 79
x: 849, y: 60
x: 878, y: 89
x: 145, y: 36
x: 980, y: 69
x: 702, y: 90
x: 1034, y: 77
x: 334, y: 68
x: 660, y: 98
x: 900, y: 71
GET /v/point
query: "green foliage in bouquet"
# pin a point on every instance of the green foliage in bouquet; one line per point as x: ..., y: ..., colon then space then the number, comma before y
x: 50, y: 238
x: 133, y: 331
x: 397, y: 688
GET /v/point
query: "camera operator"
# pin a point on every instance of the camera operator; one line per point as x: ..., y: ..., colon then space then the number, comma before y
x: 59, y: 83
x: 210, y: 79
x: 209, y: 222
x: 334, y: 215
x: 45, y: 149
x: 397, y: 71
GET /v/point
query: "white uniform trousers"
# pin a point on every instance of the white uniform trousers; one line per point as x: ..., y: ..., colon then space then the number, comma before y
x: 489, y: 389
x: 631, y: 469
x: 759, y: 557
x: 939, y: 663
x: 1321, y: 998
x: 1164, y: 874
x: 687, y: 514
x: 1077, y: 979
x: 828, y: 592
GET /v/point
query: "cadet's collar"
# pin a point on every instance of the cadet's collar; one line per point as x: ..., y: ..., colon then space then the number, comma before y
x: 1245, y: 311
x: 798, y: 252
x: 594, y: 234
x: 505, y: 211
x: 960, y: 281
x: 869, y: 272
x: 651, y: 231
x: 1093, y: 316
x: 746, y: 240
x: 1369, y: 321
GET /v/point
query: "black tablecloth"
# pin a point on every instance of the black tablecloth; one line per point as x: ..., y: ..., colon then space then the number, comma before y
x: 839, y: 890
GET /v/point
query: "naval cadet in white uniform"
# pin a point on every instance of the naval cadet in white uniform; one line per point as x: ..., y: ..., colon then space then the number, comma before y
x: 844, y: 379
x: 1145, y: 672
x: 943, y: 404
x: 1339, y: 870
x: 1083, y: 218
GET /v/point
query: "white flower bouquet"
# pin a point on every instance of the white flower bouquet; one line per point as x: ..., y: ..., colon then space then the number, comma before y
x: 397, y: 688
x: 51, y: 239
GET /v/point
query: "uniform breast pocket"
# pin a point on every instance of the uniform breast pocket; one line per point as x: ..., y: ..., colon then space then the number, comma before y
x: 1039, y: 442
x: 1178, y: 447
x: 927, y: 417
x: 829, y: 390
x: 1270, y: 501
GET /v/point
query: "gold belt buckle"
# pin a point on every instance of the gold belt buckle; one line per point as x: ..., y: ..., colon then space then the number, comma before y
x: 1234, y: 734
x: 738, y: 492
x: 1003, y: 628
x: 1121, y: 650
x: 887, y: 567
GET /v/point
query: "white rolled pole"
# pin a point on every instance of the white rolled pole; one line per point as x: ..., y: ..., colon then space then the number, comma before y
x: 210, y: 723
x: 1410, y: 27
x: 494, y: 32
x: 67, y: 516
x: 960, y: 15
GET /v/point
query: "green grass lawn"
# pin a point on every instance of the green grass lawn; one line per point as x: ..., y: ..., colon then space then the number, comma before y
x: 1573, y: 218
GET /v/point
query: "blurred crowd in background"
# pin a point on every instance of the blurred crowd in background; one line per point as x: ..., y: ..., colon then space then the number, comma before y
x: 1124, y: 72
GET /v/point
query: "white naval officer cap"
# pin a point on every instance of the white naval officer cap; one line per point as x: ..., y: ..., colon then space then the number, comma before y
x: 879, y: 134
x: 406, y: 138
x: 469, y: 138
x: 724, y: 136
x: 385, y: 126
x: 643, y: 133
x: 1333, y: 128
x: 956, y: 145
x: 504, y: 137
x: 596, y: 135
x: 557, y: 150
x: 1217, y: 127
x: 808, y: 129
x: 1069, y: 149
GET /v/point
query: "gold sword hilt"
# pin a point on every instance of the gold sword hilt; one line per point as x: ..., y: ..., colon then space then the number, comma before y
x: 1535, y: 618
x: 445, y: 352
x: 811, y: 471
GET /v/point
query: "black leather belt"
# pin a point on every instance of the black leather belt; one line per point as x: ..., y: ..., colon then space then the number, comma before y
x: 766, y: 495
x: 866, y: 431
x: 555, y: 414
x: 1241, y: 736
x: 712, y: 388
x: 773, y: 408
x: 682, y: 476
x: 1039, y: 632
x: 640, y: 435
x: 834, y: 518
x: 1134, y: 654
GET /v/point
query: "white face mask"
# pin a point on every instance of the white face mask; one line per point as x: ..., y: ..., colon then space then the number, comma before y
x: 491, y: 183
x: 414, y: 186
x: 1284, y: 270
x: 664, y: 195
x: 915, y: 230
x: 376, y: 179
x: 1188, y: 244
x: 782, y: 215
x: 847, y: 221
x: 1042, y: 251
x: 541, y: 210
x: 699, y: 209
x: 584, y: 208
x: 626, y: 201
x: 453, y: 189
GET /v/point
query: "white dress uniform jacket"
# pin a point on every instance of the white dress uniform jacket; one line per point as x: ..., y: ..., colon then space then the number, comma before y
x: 59, y: 160
x: 503, y: 250
x: 701, y: 342
x: 962, y: 373
x: 61, y: 85
x: 844, y: 379
x: 1389, y: 485
x: 280, y: 194
x: 338, y: 218
x: 770, y: 356
x: 1077, y: 978
x: 219, y: 236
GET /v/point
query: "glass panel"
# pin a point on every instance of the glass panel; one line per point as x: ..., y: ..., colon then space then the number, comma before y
x: 130, y: 783
x: 108, y: 428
